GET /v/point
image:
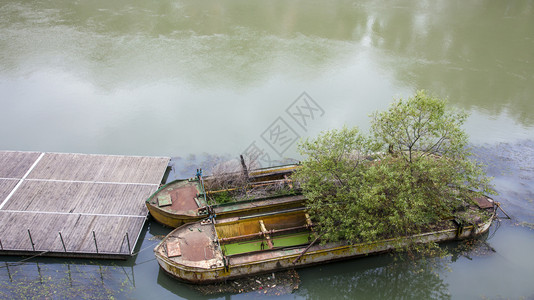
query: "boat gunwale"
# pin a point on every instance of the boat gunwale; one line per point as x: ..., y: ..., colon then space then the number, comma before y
x: 299, y: 196
x: 474, y: 230
x: 195, y: 270
x: 263, y: 171
x: 260, y: 199
x: 167, y: 185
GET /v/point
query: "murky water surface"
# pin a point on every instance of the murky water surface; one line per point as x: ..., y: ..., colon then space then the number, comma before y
x: 200, y: 80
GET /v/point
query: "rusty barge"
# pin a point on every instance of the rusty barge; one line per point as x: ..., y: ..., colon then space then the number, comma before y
x: 188, y: 200
x: 216, y: 250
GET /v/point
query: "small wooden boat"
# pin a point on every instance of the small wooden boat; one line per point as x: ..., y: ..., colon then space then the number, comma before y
x: 186, y: 200
x: 216, y: 250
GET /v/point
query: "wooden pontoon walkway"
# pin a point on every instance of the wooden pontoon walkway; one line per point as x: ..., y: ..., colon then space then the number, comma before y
x: 74, y: 205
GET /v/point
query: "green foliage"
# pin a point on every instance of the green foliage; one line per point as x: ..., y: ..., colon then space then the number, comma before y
x: 420, y: 126
x: 358, y: 194
x: 250, y: 193
x: 284, y: 191
x: 223, y: 197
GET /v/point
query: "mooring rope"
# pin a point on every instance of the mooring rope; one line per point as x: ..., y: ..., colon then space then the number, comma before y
x: 22, y: 261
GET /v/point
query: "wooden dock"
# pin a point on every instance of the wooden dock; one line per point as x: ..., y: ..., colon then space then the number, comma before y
x: 74, y: 205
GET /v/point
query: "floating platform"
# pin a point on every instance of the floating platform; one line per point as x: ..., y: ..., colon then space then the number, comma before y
x: 75, y: 205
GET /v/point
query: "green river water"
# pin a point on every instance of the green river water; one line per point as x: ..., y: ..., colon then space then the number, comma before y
x: 204, y: 80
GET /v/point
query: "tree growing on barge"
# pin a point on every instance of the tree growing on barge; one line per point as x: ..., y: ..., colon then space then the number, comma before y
x: 413, y: 170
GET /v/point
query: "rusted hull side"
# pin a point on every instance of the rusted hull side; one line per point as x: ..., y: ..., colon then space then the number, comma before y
x: 169, y: 219
x: 316, y: 255
x: 185, y: 207
x: 258, y: 209
x: 183, y: 200
x: 175, y: 220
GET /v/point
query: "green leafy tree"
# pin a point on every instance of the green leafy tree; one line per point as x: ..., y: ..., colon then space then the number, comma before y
x: 331, y: 178
x: 411, y: 172
x: 421, y: 126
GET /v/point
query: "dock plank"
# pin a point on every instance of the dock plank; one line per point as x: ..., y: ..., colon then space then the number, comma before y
x: 44, y: 230
x: 15, y: 164
x: 6, y: 186
x: 99, y: 168
x: 80, y: 197
x: 75, y: 194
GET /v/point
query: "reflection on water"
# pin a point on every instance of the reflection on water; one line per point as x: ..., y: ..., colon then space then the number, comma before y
x: 55, y: 279
x: 504, y: 274
x: 227, y: 44
x: 180, y: 77
x: 375, y: 278
x: 478, y: 53
x: 122, y: 73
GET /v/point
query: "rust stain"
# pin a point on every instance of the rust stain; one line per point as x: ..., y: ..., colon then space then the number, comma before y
x: 173, y: 249
x: 183, y: 198
x: 196, y: 247
x: 483, y: 202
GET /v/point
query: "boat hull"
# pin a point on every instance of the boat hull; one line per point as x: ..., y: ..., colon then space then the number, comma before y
x: 293, y: 258
x: 175, y: 220
x: 170, y: 219
x: 174, y: 216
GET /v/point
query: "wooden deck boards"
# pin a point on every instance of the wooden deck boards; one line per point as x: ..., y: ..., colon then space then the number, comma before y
x: 110, y: 232
x: 6, y: 186
x: 98, y: 168
x: 15, y: 164
x: 74, y: 194
x: 80, y: 197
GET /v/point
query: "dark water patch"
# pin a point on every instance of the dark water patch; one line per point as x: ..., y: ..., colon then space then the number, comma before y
x: 272, y: 284
x: 512, y: 166
x: 53, y: 279
x: 378, y: 277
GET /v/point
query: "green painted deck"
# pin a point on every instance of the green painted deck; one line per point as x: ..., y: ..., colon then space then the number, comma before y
x: 288, y: 240
x: 297, y: 239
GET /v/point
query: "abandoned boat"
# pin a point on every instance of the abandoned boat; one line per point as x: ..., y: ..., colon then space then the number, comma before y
x: 188, y: 200
x: 221, y: 249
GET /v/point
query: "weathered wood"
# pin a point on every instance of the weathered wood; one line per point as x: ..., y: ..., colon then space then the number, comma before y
x: 67, y: 202
x: 76, y: 232
x: 80, y: 197
x: 100, y: 168
x: 15, y: 164
x: 244, y: 167
x: 6, y: 186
